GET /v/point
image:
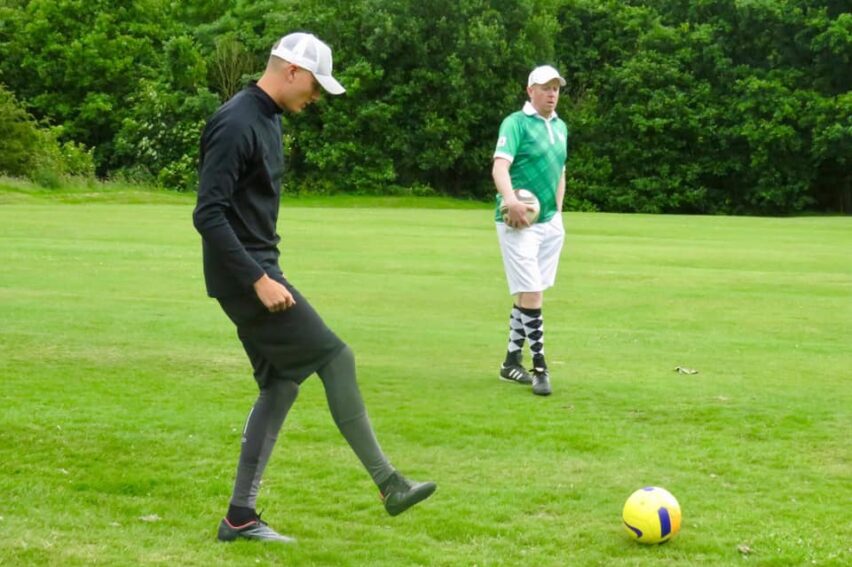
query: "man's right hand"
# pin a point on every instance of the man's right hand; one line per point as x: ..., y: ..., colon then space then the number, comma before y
x: 517, y: 214
x: 273, y: 295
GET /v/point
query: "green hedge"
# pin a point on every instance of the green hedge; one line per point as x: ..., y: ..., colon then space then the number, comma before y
x: 695, y: 106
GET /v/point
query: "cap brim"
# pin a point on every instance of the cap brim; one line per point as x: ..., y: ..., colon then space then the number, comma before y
x: 330, y: 84
x: 545, y: 81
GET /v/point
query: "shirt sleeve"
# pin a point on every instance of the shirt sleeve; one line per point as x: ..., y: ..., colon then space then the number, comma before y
x: 225, y: 150
x: 508, y: 139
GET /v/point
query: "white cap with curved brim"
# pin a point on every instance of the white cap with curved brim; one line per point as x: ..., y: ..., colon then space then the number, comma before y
x: 543, y: 75
x: 311, y: 54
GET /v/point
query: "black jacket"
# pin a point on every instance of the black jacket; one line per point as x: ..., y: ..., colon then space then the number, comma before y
x: 240, y: 170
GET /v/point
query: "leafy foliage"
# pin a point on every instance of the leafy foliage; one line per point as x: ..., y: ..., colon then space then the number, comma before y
x: 694, y: 106
x: 18, y: 136
x: 28, y: 149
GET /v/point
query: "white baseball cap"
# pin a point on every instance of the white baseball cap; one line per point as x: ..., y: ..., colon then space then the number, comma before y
x: 311, y: 54
x: 543, y: 75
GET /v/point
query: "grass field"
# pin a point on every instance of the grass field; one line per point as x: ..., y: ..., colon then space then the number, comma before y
x: 124, y: 389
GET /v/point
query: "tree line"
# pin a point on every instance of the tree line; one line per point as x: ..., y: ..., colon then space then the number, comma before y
x: 680, y: 106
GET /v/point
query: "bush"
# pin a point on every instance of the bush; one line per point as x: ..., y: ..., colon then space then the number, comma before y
x: 161, y: 133
x: 28, y: 150
x: 19, y: 137
x: 46, y: 177
x: 77, y: 160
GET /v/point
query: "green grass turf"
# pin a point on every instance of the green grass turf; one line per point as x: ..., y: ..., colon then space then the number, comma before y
x: 124, y: 389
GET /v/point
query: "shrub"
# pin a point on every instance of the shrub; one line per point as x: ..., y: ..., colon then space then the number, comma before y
x: 19, y: 137
x: 29, y: 150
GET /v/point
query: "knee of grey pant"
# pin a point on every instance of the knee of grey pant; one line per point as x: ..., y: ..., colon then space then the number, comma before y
x: 274, y: 403
x: 341, y: 387
x: 259, y: 437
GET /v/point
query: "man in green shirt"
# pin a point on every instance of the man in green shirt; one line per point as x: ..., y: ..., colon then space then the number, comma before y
x: 531, y: 151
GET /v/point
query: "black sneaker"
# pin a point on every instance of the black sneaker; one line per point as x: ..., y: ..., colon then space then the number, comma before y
x: 541, y: 382
x: 515, y: 373
x: 256, y: 530
x: 400, y: 494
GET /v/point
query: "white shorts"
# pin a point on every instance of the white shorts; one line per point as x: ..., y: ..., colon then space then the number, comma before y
x: 531, y: 255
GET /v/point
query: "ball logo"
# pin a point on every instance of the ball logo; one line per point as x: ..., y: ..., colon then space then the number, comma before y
x: 665, y: 522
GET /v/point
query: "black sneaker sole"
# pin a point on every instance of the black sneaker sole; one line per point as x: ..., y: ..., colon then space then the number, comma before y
x: 513, y: 381
x: 261, y: 532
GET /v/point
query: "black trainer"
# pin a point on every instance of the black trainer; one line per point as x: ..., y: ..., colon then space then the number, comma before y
x: 515, y: 373
x: 256, y: 530
x: 400, y: 494
x: 541, y: 382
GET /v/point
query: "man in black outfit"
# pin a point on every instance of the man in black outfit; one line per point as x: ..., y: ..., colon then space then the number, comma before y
x: 241, y: 166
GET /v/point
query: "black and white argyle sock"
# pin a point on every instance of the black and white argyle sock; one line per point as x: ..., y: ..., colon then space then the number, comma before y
x: 534, y: 331
x: 516, y: 338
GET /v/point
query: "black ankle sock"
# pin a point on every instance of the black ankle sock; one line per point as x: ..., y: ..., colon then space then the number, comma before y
x: 384, y: 485
x: 239, y: 515
x: 513, y: 358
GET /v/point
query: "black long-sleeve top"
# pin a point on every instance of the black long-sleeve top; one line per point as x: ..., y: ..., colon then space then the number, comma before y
x: 240, y: 170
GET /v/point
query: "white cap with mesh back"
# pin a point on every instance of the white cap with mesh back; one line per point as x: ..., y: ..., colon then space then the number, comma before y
x: 311, y: 54
x: 543, y: 75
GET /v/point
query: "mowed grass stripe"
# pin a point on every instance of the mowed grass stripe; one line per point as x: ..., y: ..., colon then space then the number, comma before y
x: 124, y: 390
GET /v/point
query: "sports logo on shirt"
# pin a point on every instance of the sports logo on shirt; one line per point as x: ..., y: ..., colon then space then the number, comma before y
x: 501, y: 141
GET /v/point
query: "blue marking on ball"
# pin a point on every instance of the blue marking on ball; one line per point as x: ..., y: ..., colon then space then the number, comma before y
x: 637, y: 531
x: 665, y: 522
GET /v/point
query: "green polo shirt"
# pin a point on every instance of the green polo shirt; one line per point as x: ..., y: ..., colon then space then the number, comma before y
x: 537, y: 148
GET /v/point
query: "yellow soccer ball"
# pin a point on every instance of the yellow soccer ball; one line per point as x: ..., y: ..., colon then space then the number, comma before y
x: 651, y: 515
